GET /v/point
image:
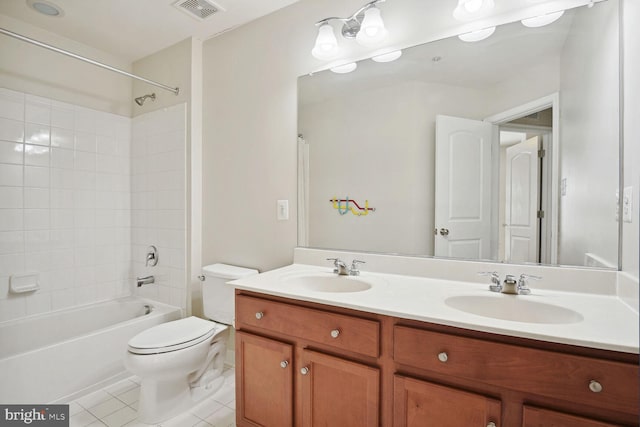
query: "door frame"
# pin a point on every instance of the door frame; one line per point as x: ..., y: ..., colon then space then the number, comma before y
x: 549, y: 101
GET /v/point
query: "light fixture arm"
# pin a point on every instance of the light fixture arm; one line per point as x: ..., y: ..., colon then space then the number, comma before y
x: 352, y: 23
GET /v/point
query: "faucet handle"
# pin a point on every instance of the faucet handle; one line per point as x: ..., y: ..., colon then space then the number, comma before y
x: 523, y: 288
x: 495, y: 285
x: 354, y: 267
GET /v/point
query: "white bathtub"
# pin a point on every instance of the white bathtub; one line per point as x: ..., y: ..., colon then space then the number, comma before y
x: 45, y: 358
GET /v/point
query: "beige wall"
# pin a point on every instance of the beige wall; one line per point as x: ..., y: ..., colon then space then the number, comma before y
x: 35, y: 70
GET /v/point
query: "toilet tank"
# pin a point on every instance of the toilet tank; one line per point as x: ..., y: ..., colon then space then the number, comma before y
x: 217, y: 296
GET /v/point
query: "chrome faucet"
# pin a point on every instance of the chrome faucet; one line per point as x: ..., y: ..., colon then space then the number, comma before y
x: 152, y: 256
x: 145, y: 280
x: 495, y: 285
x: 510, y: 285
x: 341, y: 269
x: 339, y: 266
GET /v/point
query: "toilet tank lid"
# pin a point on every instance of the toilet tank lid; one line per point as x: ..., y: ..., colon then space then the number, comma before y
x: 227, y: 271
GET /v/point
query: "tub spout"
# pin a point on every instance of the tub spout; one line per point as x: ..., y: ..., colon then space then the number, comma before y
x: 145, y: 280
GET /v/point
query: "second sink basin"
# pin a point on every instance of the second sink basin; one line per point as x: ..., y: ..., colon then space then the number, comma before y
x: 513, y: 308
x: 329, y: 283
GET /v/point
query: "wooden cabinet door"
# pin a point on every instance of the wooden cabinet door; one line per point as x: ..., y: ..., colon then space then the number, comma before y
x: 264, y: 375
x: 537, y: 417
x: 338, y: 393
x: 423, y: 404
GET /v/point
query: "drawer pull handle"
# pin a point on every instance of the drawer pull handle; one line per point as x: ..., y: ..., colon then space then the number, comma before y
x: 259, y: 315
x: 443, y: 357
x: 335, y: 333
x: 284, y: 364
x: 304, y: 371
x: 491, y: 424
x: 595, y: 386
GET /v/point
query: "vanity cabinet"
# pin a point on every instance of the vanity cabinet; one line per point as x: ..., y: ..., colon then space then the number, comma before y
x: 305, y: 364
x: 299, y: 366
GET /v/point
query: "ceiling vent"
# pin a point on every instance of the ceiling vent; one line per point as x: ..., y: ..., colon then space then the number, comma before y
x: 199, y: 9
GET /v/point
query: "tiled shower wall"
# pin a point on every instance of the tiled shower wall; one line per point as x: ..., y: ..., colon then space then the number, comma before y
x: 83, y: 193
x: 158, y: 200
x: 64, y: 203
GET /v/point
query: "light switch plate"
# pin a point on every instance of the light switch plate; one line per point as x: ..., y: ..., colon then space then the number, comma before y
x: 627, y: 204
x: 283, y: 210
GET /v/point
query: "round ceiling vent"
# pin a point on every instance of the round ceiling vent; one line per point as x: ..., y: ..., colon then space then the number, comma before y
x: 45, y: 7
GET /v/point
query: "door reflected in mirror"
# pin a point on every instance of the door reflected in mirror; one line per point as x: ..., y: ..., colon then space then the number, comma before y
x: 504, y: 149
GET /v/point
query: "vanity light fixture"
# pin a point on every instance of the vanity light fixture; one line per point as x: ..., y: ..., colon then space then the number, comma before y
x: 344, y: 69
x: 388, y: 57
x: 476, y: 36
x: 470, y: 9
x: 365, y: 25
x: 542, y: 20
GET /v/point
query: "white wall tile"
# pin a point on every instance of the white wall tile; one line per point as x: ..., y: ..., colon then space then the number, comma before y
x: 62, y: 115
x: 107, y: 145
x: 11, y: 104
x: 62, y: 138
x: 37, y: 240
x: 39, y: 262
x: 11, y: 152
x: 36, y: 155
x: 38, y: 303
x: 84, y: 180
x: 85, y: 161
x: 38, y: 110
x: 62, y: 259
x: 36, y: 198
x: 62, y: 158
x: 11, y: 197
x: 11, y: 175
x: 11, y: 219
x: 61, y: 199
x: 85, y: 120
x: 12, y: 308
x: 11, y: 130
x: 62, y: 299
x: 11, y: 242
x: 37, y: 134
x: 36, y: 176
x: 12, y: 263
x: 62, y: 238
x: 61, y: 218
x: 105, y: 124
x: 63, y: 178
x: 85, y: 142
x: 36, y: 219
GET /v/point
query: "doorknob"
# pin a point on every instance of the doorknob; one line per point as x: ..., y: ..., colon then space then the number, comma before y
x: 444, y: 231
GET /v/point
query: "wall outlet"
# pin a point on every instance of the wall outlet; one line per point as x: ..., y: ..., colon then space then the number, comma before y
x: 283, y: 210
x: 627, y: 204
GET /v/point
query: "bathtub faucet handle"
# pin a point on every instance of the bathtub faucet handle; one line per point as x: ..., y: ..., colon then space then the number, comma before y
x: 145, y: 280
x: 152, y: 256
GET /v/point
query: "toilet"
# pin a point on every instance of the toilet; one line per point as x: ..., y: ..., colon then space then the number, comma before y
x: 181, y: 362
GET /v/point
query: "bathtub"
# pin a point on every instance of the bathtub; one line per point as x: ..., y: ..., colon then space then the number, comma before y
x: 48, y: 357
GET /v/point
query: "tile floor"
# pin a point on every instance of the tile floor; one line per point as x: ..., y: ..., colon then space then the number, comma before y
x: 117, y: 404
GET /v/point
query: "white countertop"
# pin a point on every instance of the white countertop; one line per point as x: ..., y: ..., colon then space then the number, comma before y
x: 607, y: 322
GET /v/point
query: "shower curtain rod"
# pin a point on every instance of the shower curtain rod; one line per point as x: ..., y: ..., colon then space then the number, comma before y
x: 175, y: 90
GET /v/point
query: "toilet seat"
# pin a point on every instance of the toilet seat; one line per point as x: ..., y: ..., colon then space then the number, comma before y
x: 172, y: 336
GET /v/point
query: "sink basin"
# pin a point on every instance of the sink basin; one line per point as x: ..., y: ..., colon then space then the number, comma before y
x: 514, y: 308
x: 329, y: 283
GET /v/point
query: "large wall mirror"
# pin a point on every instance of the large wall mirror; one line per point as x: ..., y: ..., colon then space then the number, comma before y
x: 506, y: 149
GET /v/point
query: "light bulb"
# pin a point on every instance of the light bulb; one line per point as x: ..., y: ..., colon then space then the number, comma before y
x: 326, y: 46
x: 542, y: 20
x: 470, y: 9
x: 476, y: 36
x: 372, y: 29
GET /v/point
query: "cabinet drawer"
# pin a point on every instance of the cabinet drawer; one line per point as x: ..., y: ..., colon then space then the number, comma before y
x: 545, y: 373
x: 335, y: 330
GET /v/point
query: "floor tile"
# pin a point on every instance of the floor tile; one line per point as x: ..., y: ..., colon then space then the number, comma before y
x: 94, y: 399
x: 224, y: 417
x: 184, y: 420
x: 130, y: 396
x: 107, y: 407
x: 120, y: 418
x: 205, y: 408
x: 82, y: 419
x: 74, y: 408
x: 121, y: 387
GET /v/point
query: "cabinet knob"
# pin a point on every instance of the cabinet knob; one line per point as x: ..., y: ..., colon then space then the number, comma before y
x: 304, y: 371
x: 491, y: 424
x: 284, y: 364
x: 259, y: 315
x: 335, y: 333
x: 443, y: 356
x: 595, y: 386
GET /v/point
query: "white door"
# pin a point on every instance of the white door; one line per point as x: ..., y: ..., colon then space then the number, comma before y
x: 521, y: 200
x: 463, y: 187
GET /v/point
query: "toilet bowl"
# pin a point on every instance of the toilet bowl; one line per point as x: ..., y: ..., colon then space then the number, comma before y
x: 179, y: 363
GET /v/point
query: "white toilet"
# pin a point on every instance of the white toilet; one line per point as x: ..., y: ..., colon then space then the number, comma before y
x: 181, y: 362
